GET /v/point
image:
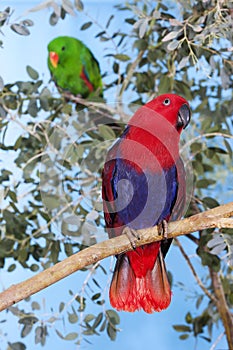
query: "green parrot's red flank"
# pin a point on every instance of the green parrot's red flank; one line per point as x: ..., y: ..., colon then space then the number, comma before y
x: 143, y: 185
x: 74, y: 68
x: 86, y: 81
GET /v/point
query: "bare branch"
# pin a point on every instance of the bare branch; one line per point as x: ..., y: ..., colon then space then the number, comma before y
x: 209, y: 219
x: 222, y: 306
x: 130, y: 72
x: 199, y: 282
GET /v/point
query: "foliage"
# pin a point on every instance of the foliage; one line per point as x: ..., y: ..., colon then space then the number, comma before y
x: 51, y: 200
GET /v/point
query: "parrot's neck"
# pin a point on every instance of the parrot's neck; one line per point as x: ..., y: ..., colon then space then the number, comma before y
x: 154, y: 151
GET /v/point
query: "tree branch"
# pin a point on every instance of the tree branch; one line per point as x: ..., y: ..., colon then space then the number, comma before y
x: 199, y: 282
x: 214, y: 218
x: 222, y: 307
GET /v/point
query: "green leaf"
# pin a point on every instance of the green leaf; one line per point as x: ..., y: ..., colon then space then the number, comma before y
x: 11, y: 268
x: 218, y: 249
x: 52, y: 319
x: 113, y: 316
x: 61, y: 306
x: 103, y: 326
x: 210, y: 202
x: 35, y: 305
x: 109, y: 21
x: 3, y: 16
x: 231, y: 298
x: 27, y: 22
x: 68, y: 249
x: 73, y: 318
x: 88, y: 318
x: 33, y: 74
x: 228, y: 147
x: 106, y: 132
x: 214, y: 150
x: 28, y: 320
x: 71, y: 336
x: 111, y: 331
x: 183, y: 63
x: 198, y: 167
x: 206, y: 338
x: 79, y: 5
x: 115, y: 67
x: 173, y: 45
x: 98, y: 320
x: 50, y: 201
x: 12, y: 196
x: 188, y: 317
x: 32, y: 107
x: 34, y: 267
x: 59, y: 334
x: 216, y: 240
x: 143, y: 27
x: 141, y: 44
x: 184, y: 336
x: 130, y: 20
x: 164, y: 84
x: 197, y: 28
x: 182, y: 328
x: 100, y: 34
x: 53, y: 19
x: 26, y: 330
x: 20, y: 29
x: 16, y: 346
x: 121, y: 57
x: 40, y: 334
x: 209, y: 259
x: 96, y: 296
x: 171, y: 35
x: 199, y: 301
x: 86, y: 25
x: 204, y: 183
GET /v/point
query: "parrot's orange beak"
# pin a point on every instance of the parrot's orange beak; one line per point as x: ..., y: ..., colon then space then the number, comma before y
x: 54, y: 58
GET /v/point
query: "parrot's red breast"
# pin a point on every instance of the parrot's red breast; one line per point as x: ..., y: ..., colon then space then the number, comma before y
x: 143, y: 183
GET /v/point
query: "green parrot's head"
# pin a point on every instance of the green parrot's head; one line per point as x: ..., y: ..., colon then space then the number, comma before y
x: 60, y: 50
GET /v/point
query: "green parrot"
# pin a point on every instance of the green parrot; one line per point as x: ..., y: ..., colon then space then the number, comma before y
x: 74, y: 68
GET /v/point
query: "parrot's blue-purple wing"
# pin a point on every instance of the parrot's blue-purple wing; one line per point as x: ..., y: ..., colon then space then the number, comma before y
x: 139, y: 199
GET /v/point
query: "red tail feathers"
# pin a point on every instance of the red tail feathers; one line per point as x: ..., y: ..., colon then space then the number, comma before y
x: 146, y: 288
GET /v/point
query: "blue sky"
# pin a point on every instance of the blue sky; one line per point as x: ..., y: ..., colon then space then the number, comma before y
x: 139, y: 330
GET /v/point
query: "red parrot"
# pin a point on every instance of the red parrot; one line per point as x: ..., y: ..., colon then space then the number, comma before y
x: 143, y: 185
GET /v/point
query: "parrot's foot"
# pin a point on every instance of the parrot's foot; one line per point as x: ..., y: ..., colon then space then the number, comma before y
x: 163, y: 229
x: 132, y: 235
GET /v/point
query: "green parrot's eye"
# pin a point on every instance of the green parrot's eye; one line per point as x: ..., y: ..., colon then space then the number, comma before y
x: 166, y: 102
x: 63, y: 48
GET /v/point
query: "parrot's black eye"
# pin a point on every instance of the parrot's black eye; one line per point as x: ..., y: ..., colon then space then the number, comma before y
x: 166, y: 102
x: 63, y: 48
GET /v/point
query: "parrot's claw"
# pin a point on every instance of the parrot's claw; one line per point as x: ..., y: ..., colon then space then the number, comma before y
x: 163, y: 229
x: 132, y: 235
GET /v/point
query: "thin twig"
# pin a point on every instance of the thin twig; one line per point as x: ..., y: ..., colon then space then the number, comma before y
x: 213, y: 346
x: 199, y: 137
x: 199, y: 282
x: 222, y: 307
x: 131, y: 72
x: 193, y: 238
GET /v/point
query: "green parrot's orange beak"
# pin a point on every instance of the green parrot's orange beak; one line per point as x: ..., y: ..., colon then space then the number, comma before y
x: 54, y: 58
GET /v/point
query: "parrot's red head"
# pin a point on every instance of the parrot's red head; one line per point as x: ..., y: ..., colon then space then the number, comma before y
x: 172, y: 107
x: 54, y: 58
x: 163, y: 117
x: 157, y: 126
